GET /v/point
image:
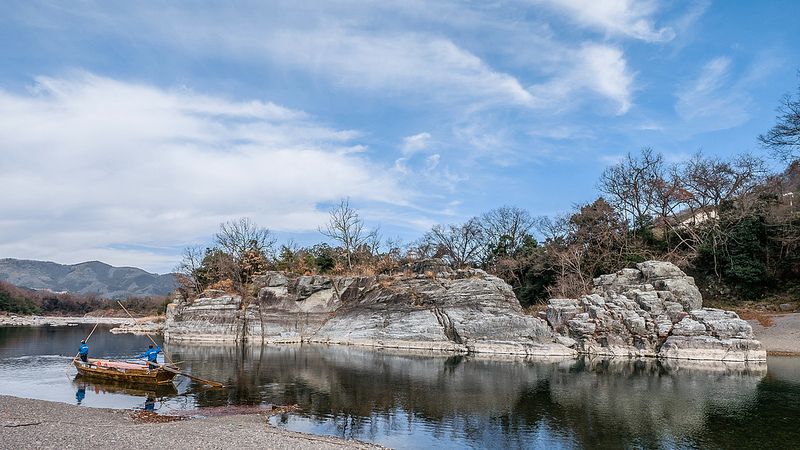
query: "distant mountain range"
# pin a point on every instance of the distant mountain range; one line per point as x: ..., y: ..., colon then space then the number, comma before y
x: 85, y: 278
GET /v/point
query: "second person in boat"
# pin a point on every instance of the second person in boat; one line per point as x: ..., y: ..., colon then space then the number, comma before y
x: 152, y: 356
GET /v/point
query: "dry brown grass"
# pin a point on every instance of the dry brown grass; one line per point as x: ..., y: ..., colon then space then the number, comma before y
x: 781, y: 353
x: 535, y: 309
x: 225, y: 285
x: 761, y: 317
x: 386, y: 282
x: 149, y: 319
x: 151, y: 417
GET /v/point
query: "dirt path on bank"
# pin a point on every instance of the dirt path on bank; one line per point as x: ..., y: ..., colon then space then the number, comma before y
x: 38, y: 424
x: 782, y: 337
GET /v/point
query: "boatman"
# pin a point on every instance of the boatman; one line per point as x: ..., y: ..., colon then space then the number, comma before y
x: 152, y: 356
x: 83, y: 351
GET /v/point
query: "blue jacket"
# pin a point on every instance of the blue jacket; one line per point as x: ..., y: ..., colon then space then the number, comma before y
x: 83, y: 349
x: 151, y: 354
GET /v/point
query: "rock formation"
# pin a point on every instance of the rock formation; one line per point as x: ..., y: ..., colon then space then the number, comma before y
x: 653, y: 310
x: 428, y: 307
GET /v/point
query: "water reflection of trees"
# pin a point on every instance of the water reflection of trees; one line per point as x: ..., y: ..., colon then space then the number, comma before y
x: 494, y: 402
x: 64, y: 341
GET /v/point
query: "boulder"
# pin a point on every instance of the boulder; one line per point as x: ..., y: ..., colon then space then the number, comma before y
x: 689, y: 327
x: 654, y: 310
x: 306, y: 286
x: 560, y: 311
x: 659, y: 270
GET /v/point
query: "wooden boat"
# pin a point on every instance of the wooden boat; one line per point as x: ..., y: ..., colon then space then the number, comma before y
x: 122, y: 371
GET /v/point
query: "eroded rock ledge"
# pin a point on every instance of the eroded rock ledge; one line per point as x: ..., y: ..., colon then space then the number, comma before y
x: 428, y: 307
x: 654, y: 310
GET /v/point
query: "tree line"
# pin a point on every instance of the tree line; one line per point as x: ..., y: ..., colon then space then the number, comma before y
x: 24, y: 301
x: 730, y: 222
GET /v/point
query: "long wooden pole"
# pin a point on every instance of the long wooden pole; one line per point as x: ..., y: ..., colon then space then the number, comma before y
x: 211, y: 383
x: 87, y: 338
x: 168, y: 369
x: 146, y: 334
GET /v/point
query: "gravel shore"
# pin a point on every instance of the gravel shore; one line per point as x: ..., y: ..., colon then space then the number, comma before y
x: 56, y: 321
x: 783, y: 337
x: 38, y: 424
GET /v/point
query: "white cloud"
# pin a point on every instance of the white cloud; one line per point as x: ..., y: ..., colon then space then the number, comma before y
x: 415, y: 143
x: 612, y: 159
x: 600, y: 69
x: 630, y: 18
x: 92, y: 166
x: 411, y: 52
x: 395, y: 63
x: 431, y: 162
x: 713, y: 100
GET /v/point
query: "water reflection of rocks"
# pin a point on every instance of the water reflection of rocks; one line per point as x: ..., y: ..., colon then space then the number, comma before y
x: 589, y: 401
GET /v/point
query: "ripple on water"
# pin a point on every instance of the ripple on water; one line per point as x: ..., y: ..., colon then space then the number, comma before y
x: 404, y: 400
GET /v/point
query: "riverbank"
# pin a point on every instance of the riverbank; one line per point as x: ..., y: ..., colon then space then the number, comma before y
x: 38, y: 424
x: 780, y: 335
x: 59, y: 321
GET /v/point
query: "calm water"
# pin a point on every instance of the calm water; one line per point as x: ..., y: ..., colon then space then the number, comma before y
x: 407, y: 400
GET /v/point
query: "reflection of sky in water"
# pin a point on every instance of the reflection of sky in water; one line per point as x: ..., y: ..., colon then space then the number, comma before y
x: 418, y: 400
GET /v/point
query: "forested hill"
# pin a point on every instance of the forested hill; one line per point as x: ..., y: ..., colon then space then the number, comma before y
x: 93, y: 277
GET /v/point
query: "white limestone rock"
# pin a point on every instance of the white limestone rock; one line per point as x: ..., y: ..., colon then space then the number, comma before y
x: 653, y: 310
x: 432, y: 308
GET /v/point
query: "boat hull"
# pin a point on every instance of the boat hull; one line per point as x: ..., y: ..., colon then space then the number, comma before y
x: 124, y: 373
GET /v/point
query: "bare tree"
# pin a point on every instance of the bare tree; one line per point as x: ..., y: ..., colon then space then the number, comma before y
x: 632, y: 185
x: 346, y: 227
x: 710, y: 182
x: 783, y: 139
x: 594, y: 244
x: 237, y: 237
x: 373, y: 241
x: 507, y: 226
x: 248, y: 245
x: 462, y: 245
x: 191, y: 262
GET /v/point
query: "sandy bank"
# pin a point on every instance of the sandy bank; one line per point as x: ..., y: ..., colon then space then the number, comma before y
x: 37, y: 424
x: 783, y: 337
x: 14, y: 320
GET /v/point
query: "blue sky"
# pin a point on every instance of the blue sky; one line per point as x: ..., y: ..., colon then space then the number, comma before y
x: 132, y: 129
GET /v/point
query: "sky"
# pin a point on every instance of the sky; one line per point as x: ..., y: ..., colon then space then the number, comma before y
x: 130, y: 130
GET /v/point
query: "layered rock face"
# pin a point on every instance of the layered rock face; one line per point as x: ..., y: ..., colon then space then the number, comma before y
x: 215, y: 316
x: 429, y: 307
x: 653, y: 310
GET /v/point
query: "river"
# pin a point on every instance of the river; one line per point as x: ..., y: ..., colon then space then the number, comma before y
x: 418, y: 400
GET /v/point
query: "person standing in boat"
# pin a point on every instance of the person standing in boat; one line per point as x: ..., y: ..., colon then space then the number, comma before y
x: 83, y: 351
x: 152, y: 356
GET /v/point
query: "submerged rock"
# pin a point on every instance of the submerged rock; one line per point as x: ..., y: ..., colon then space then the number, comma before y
x: 653, y: 310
